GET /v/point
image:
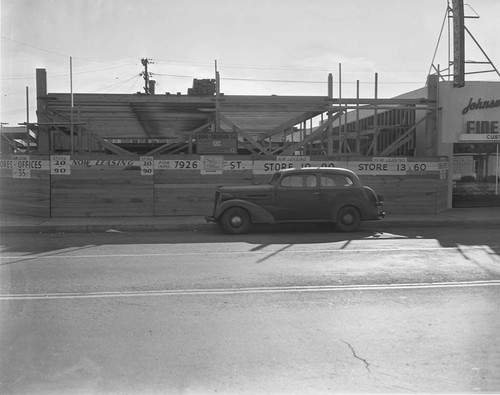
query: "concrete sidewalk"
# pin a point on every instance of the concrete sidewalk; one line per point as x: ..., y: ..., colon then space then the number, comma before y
x: 484, y: 216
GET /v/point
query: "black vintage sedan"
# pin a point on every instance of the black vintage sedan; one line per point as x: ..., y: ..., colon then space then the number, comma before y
x: 298, y: 195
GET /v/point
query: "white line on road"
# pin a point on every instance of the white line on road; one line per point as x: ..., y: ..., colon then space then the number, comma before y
x: 289, y: 251
x: 249, y: 290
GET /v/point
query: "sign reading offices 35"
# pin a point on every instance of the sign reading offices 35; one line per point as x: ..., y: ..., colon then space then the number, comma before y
x: 22, y: 165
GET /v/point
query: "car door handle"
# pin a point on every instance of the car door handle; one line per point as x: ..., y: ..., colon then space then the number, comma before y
x: 316, y: 193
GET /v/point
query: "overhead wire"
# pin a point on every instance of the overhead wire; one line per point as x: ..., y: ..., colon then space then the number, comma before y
x: 99, y: 60
x: 282, y: 81
x: 228, y: 66
x: 270, y: 67
x: 119, y: 84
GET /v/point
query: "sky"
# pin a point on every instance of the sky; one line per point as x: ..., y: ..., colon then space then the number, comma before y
x: 260, y: 47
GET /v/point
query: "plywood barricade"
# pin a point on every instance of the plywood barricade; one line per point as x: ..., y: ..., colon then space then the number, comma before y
x: 25, y: 185
x: 100, y: 187
x: 111, y: 186
x: 185, y: 185
x: 409, y: 185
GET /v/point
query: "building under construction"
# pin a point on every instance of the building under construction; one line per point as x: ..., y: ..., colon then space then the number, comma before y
x: 162, y: 154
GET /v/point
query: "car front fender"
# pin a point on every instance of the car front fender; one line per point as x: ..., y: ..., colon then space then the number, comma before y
x: 258, y: 214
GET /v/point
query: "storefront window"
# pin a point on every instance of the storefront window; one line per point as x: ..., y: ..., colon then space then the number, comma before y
x: 476, y: 175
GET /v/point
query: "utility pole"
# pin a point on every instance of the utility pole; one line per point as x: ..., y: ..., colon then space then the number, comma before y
x: 146, y: 74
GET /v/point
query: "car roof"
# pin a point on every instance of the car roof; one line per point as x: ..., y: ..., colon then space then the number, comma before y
x: 336, y: 170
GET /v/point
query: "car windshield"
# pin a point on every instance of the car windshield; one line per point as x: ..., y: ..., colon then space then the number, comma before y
x: 274, y: 179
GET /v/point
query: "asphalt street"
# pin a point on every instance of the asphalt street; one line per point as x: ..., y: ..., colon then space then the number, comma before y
x: 288, y: 310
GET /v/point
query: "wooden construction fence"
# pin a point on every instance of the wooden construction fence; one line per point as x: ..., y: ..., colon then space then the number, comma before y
x: 111, y: 186
x: 25, y: 185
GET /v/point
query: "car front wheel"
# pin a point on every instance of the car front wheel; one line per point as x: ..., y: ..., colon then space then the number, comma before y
x: 348, y: 219
x: 235, y: 220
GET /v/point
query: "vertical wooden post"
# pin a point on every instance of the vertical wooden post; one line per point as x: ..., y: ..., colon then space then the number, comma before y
x: 27, y: 121
x: 89, y: 129
x: 310, y: 144
x: 79, y: 147
x: 358, y: 132
x: 71, y: 109
x: 347, y: 149
x: 43, y: 136
x: 217, y: 98
x: 431, y: 127
x: 329, y: 132
x: 375, y: 120
x: 303, y: 136
x: 496, y: 175
x: 340, y: 108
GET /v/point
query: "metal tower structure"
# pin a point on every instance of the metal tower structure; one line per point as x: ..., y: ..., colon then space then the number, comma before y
x: 455, y: 15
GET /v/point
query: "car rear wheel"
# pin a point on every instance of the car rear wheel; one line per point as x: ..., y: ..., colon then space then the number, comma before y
x: 348, y: 219
x: 235, y: 220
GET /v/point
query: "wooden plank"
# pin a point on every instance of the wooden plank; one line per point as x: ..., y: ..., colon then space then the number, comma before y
x: 108, y: 191
x: 25, y: 196
x: 184, y: 200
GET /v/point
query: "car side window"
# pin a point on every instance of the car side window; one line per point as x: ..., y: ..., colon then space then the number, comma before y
x: 335, y: 181
x: 299, y: 181
x: 311, y: 181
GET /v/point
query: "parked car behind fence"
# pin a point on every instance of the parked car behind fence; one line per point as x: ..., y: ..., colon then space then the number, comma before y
x: 298, y: 195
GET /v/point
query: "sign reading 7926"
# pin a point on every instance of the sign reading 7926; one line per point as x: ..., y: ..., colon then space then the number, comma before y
x: 177, y: 164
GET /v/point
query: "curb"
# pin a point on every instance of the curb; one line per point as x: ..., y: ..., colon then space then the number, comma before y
x: 195, y: 227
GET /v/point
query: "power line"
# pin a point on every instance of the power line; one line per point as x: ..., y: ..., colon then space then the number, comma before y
x: 270, y: 67
x: 58, y: 75
x: 99, y: 60
x: 287, y: 81
x: 116, y: 85
x: 33, y: 46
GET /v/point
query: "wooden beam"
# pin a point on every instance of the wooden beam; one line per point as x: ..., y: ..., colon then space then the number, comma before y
x: 10, y: 142
x: 110, y: 146
x: 291, y: 122
x: 84, y: 98
x: 198, y: 129
x: 245, y: 135
x: 401, y: 139
x: 380, y: 102
x: 189, y: 134
x: 383, y: 107
x: 165, y: 146
x: 315, y: 134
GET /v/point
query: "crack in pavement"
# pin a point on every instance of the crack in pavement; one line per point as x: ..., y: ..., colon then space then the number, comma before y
x: 367, y: 365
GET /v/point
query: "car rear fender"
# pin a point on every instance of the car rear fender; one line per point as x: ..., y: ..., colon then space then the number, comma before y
x: 257, y: 213
x: 361, y: 205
